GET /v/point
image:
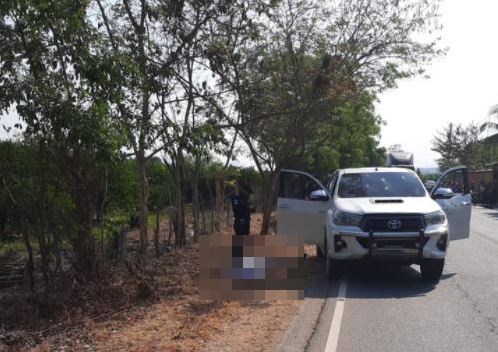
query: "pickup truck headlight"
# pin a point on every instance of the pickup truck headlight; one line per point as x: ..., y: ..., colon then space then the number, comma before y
x: 346, y: 219
x: 436, y: 218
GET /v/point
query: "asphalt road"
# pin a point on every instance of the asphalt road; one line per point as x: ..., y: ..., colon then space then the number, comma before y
x: 392, y: 309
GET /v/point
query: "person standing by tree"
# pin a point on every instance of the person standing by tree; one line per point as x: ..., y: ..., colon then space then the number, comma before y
x: 240, y: 207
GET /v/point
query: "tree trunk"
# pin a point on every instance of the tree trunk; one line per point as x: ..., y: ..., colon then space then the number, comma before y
x: 195, y: 210
x: 180, y: 203
x: 195, y: 199
x: 219, y: 199
x: 84, y: 246
x: 172, y: 227
x: 30, y: 265
x: 180, y: 229
x: 57, y: 247
x: 203, y: 215
x: 270, y: 193
x: 156, y: 235
x: 83, y: 194
x: 144, y: 124
x: 122, y: 243
x: 44, y: 253
x: 144, y: 197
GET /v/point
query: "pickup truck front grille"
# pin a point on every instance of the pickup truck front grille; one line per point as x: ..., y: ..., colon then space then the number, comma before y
x: 387, y: 243
x: 392, y: 223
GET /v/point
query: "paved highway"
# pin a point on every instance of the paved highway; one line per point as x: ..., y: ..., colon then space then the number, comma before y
x: 391, y: 309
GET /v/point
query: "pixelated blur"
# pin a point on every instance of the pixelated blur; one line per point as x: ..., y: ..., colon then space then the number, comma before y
x: 251, y: 267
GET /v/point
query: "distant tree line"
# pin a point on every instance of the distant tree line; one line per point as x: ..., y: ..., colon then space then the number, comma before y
x: 474, y: 145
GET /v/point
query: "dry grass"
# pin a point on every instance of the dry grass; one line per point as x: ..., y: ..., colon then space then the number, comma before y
x: 155, y: 309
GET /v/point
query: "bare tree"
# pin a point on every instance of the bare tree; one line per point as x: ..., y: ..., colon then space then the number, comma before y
x: 148, y: 40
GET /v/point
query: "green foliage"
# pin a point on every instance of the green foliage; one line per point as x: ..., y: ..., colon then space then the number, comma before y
x: 312, y: 71
x: 347, y: 137
x: 33, y: 199
x: 122, y: 194
x: 52, y: 64
x: 16, y: 246
x: 296, y: 80
x: 161, y: 184
x: 427, y: 177
x: 461, y: 145
x: 355, y: 134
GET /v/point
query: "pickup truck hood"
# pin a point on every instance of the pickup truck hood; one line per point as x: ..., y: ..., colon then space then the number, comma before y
x: 413, y: 205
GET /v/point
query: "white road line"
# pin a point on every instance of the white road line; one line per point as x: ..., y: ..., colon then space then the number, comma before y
x: 335, y: 326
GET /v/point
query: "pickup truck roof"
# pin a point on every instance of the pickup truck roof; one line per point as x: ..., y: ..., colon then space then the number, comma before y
x: 375, y: 169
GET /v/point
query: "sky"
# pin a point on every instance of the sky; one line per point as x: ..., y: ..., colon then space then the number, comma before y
x: 462, y: 87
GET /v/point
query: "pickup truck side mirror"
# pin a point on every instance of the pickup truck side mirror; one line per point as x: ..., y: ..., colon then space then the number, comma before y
x: 443, y: 193
x: 319, y: 195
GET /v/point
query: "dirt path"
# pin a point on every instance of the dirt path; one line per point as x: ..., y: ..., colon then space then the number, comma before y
x: 187, y: 326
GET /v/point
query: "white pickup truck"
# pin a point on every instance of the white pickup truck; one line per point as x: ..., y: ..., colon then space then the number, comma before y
x: 376, y: 213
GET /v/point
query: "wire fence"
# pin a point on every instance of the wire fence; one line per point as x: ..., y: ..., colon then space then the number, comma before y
x: 119, y: 243
x: 162, y: 234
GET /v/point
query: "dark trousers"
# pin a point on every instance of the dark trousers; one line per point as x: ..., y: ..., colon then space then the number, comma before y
x: 242, y: 225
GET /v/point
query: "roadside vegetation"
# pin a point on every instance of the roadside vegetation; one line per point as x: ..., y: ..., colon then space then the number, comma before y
x: 134, y: 118
x: 469, y: 145
x: 476, y: 146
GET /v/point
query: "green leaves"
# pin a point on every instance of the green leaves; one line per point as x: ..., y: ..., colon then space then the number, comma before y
x: 461, y: 145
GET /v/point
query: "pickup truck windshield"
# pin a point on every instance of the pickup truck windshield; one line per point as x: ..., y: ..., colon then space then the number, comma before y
x: 380, y: 184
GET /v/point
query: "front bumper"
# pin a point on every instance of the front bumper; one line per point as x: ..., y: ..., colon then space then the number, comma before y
x: 399, y: 246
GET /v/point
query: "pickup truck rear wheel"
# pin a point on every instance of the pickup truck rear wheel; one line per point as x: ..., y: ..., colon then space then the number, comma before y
x: 432, y: 269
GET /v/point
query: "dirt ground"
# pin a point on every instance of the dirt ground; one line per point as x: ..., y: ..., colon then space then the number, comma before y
x: 168, y: 317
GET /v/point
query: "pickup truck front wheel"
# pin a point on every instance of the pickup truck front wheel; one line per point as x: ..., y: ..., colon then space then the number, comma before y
x: 432, y: 269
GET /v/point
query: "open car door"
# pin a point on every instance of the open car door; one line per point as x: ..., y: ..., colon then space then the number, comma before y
x: 301, y: 207
x: 453, y: 195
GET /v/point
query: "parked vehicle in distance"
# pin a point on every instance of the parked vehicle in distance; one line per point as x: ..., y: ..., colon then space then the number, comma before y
x: 400, y: 159
x: 429, y: 184
x: 376, y: 213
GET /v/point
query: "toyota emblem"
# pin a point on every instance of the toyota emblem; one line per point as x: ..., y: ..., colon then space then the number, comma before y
x: 394, y: 224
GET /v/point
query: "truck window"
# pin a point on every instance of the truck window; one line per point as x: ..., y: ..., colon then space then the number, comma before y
x: 296, y: 186
x: 455, y: 181
x: 380, y: 184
